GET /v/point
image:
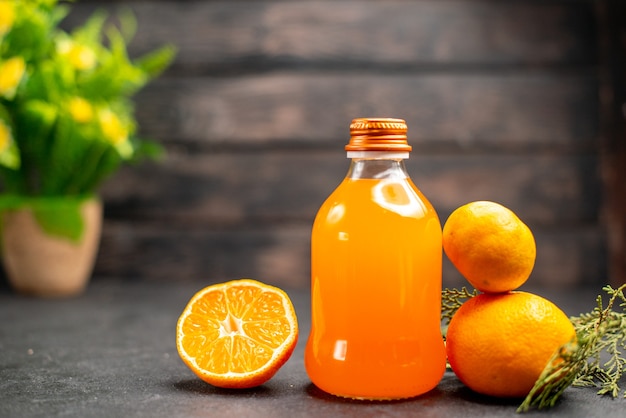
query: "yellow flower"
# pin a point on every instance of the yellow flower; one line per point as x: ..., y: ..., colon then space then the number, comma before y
x: 11, y: 73
x: 9, y: 155
x: 5, y: 136
x: 80, y: 56
x: 115, y: 132
x: 80, y: 109
x: 7, y: 16
x: 112, y: 127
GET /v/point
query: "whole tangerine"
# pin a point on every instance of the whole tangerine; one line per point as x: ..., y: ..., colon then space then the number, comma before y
x: 498, y: 344
x: 490, y: 246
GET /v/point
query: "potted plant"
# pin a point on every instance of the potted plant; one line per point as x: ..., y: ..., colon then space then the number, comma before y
x: 66, y: 124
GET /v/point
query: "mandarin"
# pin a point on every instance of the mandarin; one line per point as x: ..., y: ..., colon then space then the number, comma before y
x: 490, y: 246
x: 237, y: 334
x: 498, y: 344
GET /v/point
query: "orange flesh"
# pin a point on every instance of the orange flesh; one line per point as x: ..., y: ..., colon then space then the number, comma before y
x: 231, y: 335
x: 376, y: 292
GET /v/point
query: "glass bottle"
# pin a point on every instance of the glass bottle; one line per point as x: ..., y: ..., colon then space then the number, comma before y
x: 376, y: 276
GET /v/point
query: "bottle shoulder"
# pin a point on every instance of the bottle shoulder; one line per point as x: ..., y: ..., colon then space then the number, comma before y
x: 393, y: 195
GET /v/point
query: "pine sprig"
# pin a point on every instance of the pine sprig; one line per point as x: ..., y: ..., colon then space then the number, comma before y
x: 579, y: 363
x: 613, y: 329
x: 451, y: 301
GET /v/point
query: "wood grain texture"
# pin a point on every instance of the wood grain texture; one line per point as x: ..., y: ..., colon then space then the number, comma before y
x: 501, y: 98
x: 274, y: 187
x: 612, y: 14
x: 233, y: 35
x: 444, y: 112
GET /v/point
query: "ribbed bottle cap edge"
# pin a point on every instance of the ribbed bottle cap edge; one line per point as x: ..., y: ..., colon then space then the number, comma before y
x: 378, y: 134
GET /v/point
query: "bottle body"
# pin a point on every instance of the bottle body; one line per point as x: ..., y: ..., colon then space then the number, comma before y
x: 376, y: 287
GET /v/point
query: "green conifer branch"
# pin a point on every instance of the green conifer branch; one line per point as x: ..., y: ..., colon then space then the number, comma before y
x: 603, y: 330
x: 451, y: 301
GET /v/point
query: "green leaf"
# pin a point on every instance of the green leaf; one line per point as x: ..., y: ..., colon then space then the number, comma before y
x: 108, y: 162
x: 148, y: 150
x: 30, y: 36
x: 59, y: 216
x: 9, y: 154
x: 131, y: 77
x: 10, y: 157
x: 62, y: 219
x: 91, y: 31
x: 58, y: 13
x: 155, y: 62
x: 34, y: 124
x: 128, y: 23
x: 66, y: 152
x: 46, y: 82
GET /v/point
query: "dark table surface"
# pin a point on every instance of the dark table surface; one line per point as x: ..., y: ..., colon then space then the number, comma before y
x: 111, y: 353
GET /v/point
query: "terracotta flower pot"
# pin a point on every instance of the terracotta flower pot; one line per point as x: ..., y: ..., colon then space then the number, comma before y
x: 42, y: 264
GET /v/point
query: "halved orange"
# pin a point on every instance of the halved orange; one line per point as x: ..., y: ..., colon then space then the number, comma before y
x: 237, y: 334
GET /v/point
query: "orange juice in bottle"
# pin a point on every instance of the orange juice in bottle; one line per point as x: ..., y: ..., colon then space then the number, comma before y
x: 376, y: 276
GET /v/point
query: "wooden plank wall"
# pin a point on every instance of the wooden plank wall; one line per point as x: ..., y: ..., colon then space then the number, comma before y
x: 612, y: 34
x: 501, y: 98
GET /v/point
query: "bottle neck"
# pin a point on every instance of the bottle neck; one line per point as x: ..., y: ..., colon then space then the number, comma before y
x: 381, y: 167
